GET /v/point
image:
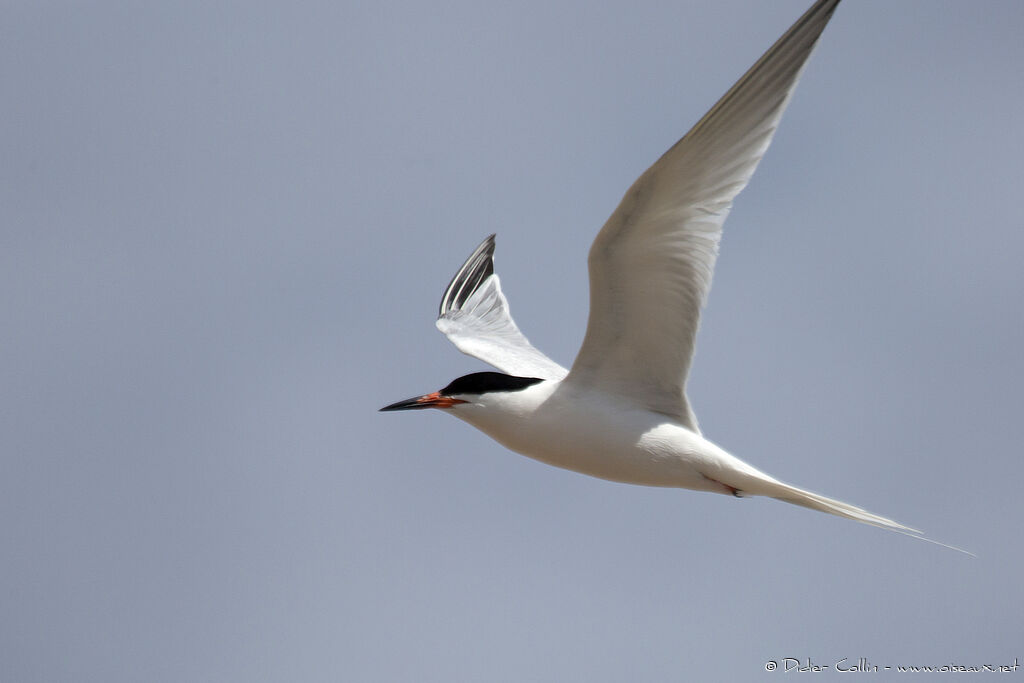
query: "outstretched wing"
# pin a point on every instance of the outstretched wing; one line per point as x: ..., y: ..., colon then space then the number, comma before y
x: 474, y: 315
x: 651, y: 264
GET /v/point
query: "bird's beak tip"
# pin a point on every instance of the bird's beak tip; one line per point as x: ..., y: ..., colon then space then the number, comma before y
x: 407, y: 404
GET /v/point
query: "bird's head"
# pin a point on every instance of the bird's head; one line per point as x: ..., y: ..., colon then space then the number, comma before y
x: 468, y: 389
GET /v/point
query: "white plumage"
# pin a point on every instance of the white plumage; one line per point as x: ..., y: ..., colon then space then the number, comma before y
x: 622, y: 413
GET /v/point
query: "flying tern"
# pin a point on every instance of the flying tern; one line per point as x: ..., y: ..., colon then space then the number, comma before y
x: 621, y: 412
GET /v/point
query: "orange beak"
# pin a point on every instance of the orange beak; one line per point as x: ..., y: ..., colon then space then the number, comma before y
x: 434, y: 400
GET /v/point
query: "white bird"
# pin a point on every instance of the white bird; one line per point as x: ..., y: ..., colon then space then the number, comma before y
x: 621, y: 413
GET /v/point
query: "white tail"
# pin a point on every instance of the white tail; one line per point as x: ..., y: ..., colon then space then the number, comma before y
x: 791, y: 494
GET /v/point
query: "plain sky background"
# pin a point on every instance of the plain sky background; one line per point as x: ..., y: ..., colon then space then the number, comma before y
x: 224, y: 231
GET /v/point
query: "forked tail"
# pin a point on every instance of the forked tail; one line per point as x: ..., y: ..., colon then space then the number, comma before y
x: 791, y: 494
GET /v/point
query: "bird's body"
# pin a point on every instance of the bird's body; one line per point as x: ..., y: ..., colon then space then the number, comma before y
x: 593, y: 433
x: 621, y: 412
x: 560, y: 423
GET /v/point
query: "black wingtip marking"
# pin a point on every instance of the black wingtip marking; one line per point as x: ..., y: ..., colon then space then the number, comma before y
x: 477, y: 268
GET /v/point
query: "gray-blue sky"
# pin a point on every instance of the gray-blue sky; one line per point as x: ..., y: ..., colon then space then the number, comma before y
x: 225, y: 227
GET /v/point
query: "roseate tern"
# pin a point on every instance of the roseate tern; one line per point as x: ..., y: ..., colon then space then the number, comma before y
x: 621, y: 413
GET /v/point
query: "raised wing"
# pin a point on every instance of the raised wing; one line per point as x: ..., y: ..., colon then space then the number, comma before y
x: 651, y: 264
x: 474, y: 315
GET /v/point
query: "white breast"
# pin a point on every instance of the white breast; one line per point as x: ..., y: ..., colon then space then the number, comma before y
x: 594, y: 434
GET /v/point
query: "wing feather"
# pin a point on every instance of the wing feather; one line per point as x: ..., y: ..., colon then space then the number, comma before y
x: 474, y: 315
x: 652, y: 262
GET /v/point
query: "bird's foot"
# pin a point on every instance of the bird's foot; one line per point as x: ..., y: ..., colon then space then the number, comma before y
x: 727, y: 489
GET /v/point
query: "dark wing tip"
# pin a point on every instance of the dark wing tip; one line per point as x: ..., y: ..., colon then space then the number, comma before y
x: 477, y: 268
